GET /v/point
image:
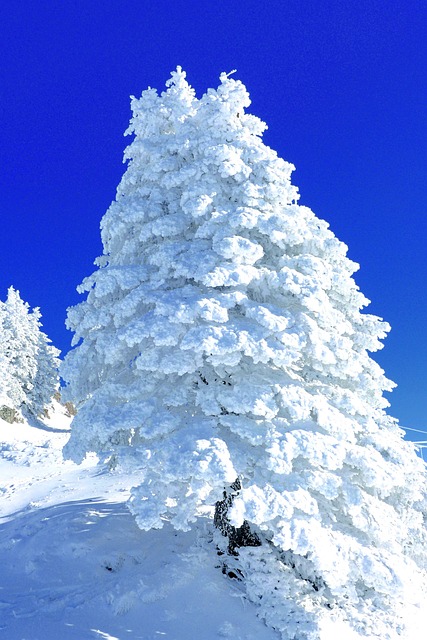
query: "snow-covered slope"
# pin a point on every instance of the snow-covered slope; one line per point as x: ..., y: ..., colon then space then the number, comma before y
x: 74, y: 565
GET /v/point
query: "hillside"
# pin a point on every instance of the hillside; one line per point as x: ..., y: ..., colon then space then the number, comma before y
x: 75, y: 566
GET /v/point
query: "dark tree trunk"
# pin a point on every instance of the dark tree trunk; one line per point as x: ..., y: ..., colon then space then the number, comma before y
x: 237, y: 536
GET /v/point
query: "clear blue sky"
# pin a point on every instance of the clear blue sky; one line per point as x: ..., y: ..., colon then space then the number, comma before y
x: 341, y: 85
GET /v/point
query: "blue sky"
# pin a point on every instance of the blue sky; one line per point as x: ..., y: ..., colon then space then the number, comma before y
x: 341, y: 85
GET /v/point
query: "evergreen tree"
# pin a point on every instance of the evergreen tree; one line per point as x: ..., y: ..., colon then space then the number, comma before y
x: 7, y: 412
x: 223, y: 356
x: 46, y: 380
x: 29, y: 362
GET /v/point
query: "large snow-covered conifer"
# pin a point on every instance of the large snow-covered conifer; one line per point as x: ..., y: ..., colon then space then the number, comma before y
x: 224, y: 358
x: 28, y: 362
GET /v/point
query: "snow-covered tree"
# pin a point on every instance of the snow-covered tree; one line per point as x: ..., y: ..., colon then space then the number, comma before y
x: 7, y: 410
x: 29, y: 363
x: 224, y: 358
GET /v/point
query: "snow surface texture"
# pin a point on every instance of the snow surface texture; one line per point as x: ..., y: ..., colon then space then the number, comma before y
x: 223, y: 338
x: 75, y: 566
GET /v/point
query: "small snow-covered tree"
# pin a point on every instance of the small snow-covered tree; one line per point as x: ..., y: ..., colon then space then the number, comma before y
x: 29, y: 376
x: 224, y: 358
x: 7, y: 410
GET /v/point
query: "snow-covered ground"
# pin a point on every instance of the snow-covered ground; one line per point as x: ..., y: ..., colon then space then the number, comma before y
x: 73, y: 564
